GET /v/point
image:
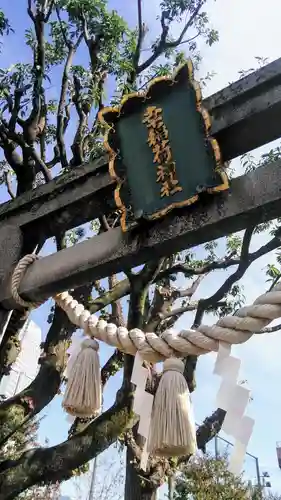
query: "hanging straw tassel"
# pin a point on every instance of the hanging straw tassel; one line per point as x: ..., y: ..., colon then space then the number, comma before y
x: 82, y: 397
x: 172, y: 431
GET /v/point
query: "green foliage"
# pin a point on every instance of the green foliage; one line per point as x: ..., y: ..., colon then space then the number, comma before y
x: 210, y: 248
x: 44, y: 492
x: 23, y: 439
x: 14, y: 446
x: 272, y: 271
x: 260, y: 62
x: 5, y: 27
x: 107, y: 26
x: 4, y: 24
x: 86, y: 45
x: 250, y: 163
x: 111, y: 50
x: 233, y: 244
x: 209, y: 479
x: 5, y: 171
x: 73, y: 236
x: 176, y: 9
x: 104, y: 49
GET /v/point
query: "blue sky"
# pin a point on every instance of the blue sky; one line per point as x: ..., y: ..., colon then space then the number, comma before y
x: 246, y: 30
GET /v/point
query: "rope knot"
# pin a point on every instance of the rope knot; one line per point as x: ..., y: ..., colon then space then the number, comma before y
x: 90, y: 343
x: 16, y: 280
x: 229, y: 329
x: 173, y: 364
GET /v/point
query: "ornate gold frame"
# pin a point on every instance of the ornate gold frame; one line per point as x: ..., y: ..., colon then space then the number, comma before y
x: 207, y: 125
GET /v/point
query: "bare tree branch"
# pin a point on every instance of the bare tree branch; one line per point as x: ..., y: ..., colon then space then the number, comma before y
x: 112, y: 366
x: 189, y: 271
x: 140, y: 35
x: 158, y: 50
x: 270, y: 329
x: 16, y: 108
x: 46, y: 384
x: 188, y: 292
x: 62, y: 120
x: 210, y: 428
x: 246, y: 260
x: 136, y: 55
x: 189, y: 23
x: 204, y: 434
x: 190, y: 39
x: 85, y: 27
x: 120, y: 290
x: 95, y: 438
x: 163, y: 300
x: 207, y: 431
x: 42, y: 167
x: 49, y: 11
x: 30, y: 11
x: 63, y: 31
x: 28, y: 151
x: 148, y: 49
x: 163, y: 45
x: 96, y: 123
x: 192, y: 306
x: 76, y: 146
x: 9, y: 185
x: 131, y: 443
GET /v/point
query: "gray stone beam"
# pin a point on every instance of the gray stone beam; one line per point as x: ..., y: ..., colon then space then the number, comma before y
x: 66, y: 202
x: 253, y: 198
x: 246, y: 114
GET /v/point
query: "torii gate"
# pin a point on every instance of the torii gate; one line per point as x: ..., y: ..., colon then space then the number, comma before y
x: 246, y: 115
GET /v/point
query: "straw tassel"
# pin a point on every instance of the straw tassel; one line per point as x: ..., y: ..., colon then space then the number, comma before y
x: 82, y: 397
x: 172, y: 431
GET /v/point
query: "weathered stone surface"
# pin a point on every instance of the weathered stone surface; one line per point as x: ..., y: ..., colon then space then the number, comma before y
x: 10, y: 249
x: 67, y: 201
x: 253, y: 198
x: 10, y: 252
x: 246, y: 115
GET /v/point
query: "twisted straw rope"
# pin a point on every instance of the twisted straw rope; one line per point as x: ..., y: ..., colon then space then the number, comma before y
x: 230, y: 329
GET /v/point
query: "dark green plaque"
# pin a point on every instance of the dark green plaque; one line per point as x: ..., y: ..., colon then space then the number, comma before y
x: 161, y: 153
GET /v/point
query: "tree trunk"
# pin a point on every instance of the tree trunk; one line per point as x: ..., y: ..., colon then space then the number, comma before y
x: 135, y: 487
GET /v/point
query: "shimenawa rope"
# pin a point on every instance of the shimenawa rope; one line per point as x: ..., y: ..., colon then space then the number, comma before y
x: 230, y: 329
x: 172, y: 429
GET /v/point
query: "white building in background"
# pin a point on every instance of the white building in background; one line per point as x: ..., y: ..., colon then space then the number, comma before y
x: 26, y: 366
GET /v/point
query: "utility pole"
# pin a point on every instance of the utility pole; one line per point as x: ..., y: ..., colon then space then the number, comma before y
x: 171, y: 486
x: 265, y: 481
x: 93, y: 476
x: 259, y: 481
x: 216, y: 447
x: 93, y: 479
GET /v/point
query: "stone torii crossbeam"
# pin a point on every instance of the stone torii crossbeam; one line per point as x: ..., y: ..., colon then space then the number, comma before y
x: 246, y: 115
